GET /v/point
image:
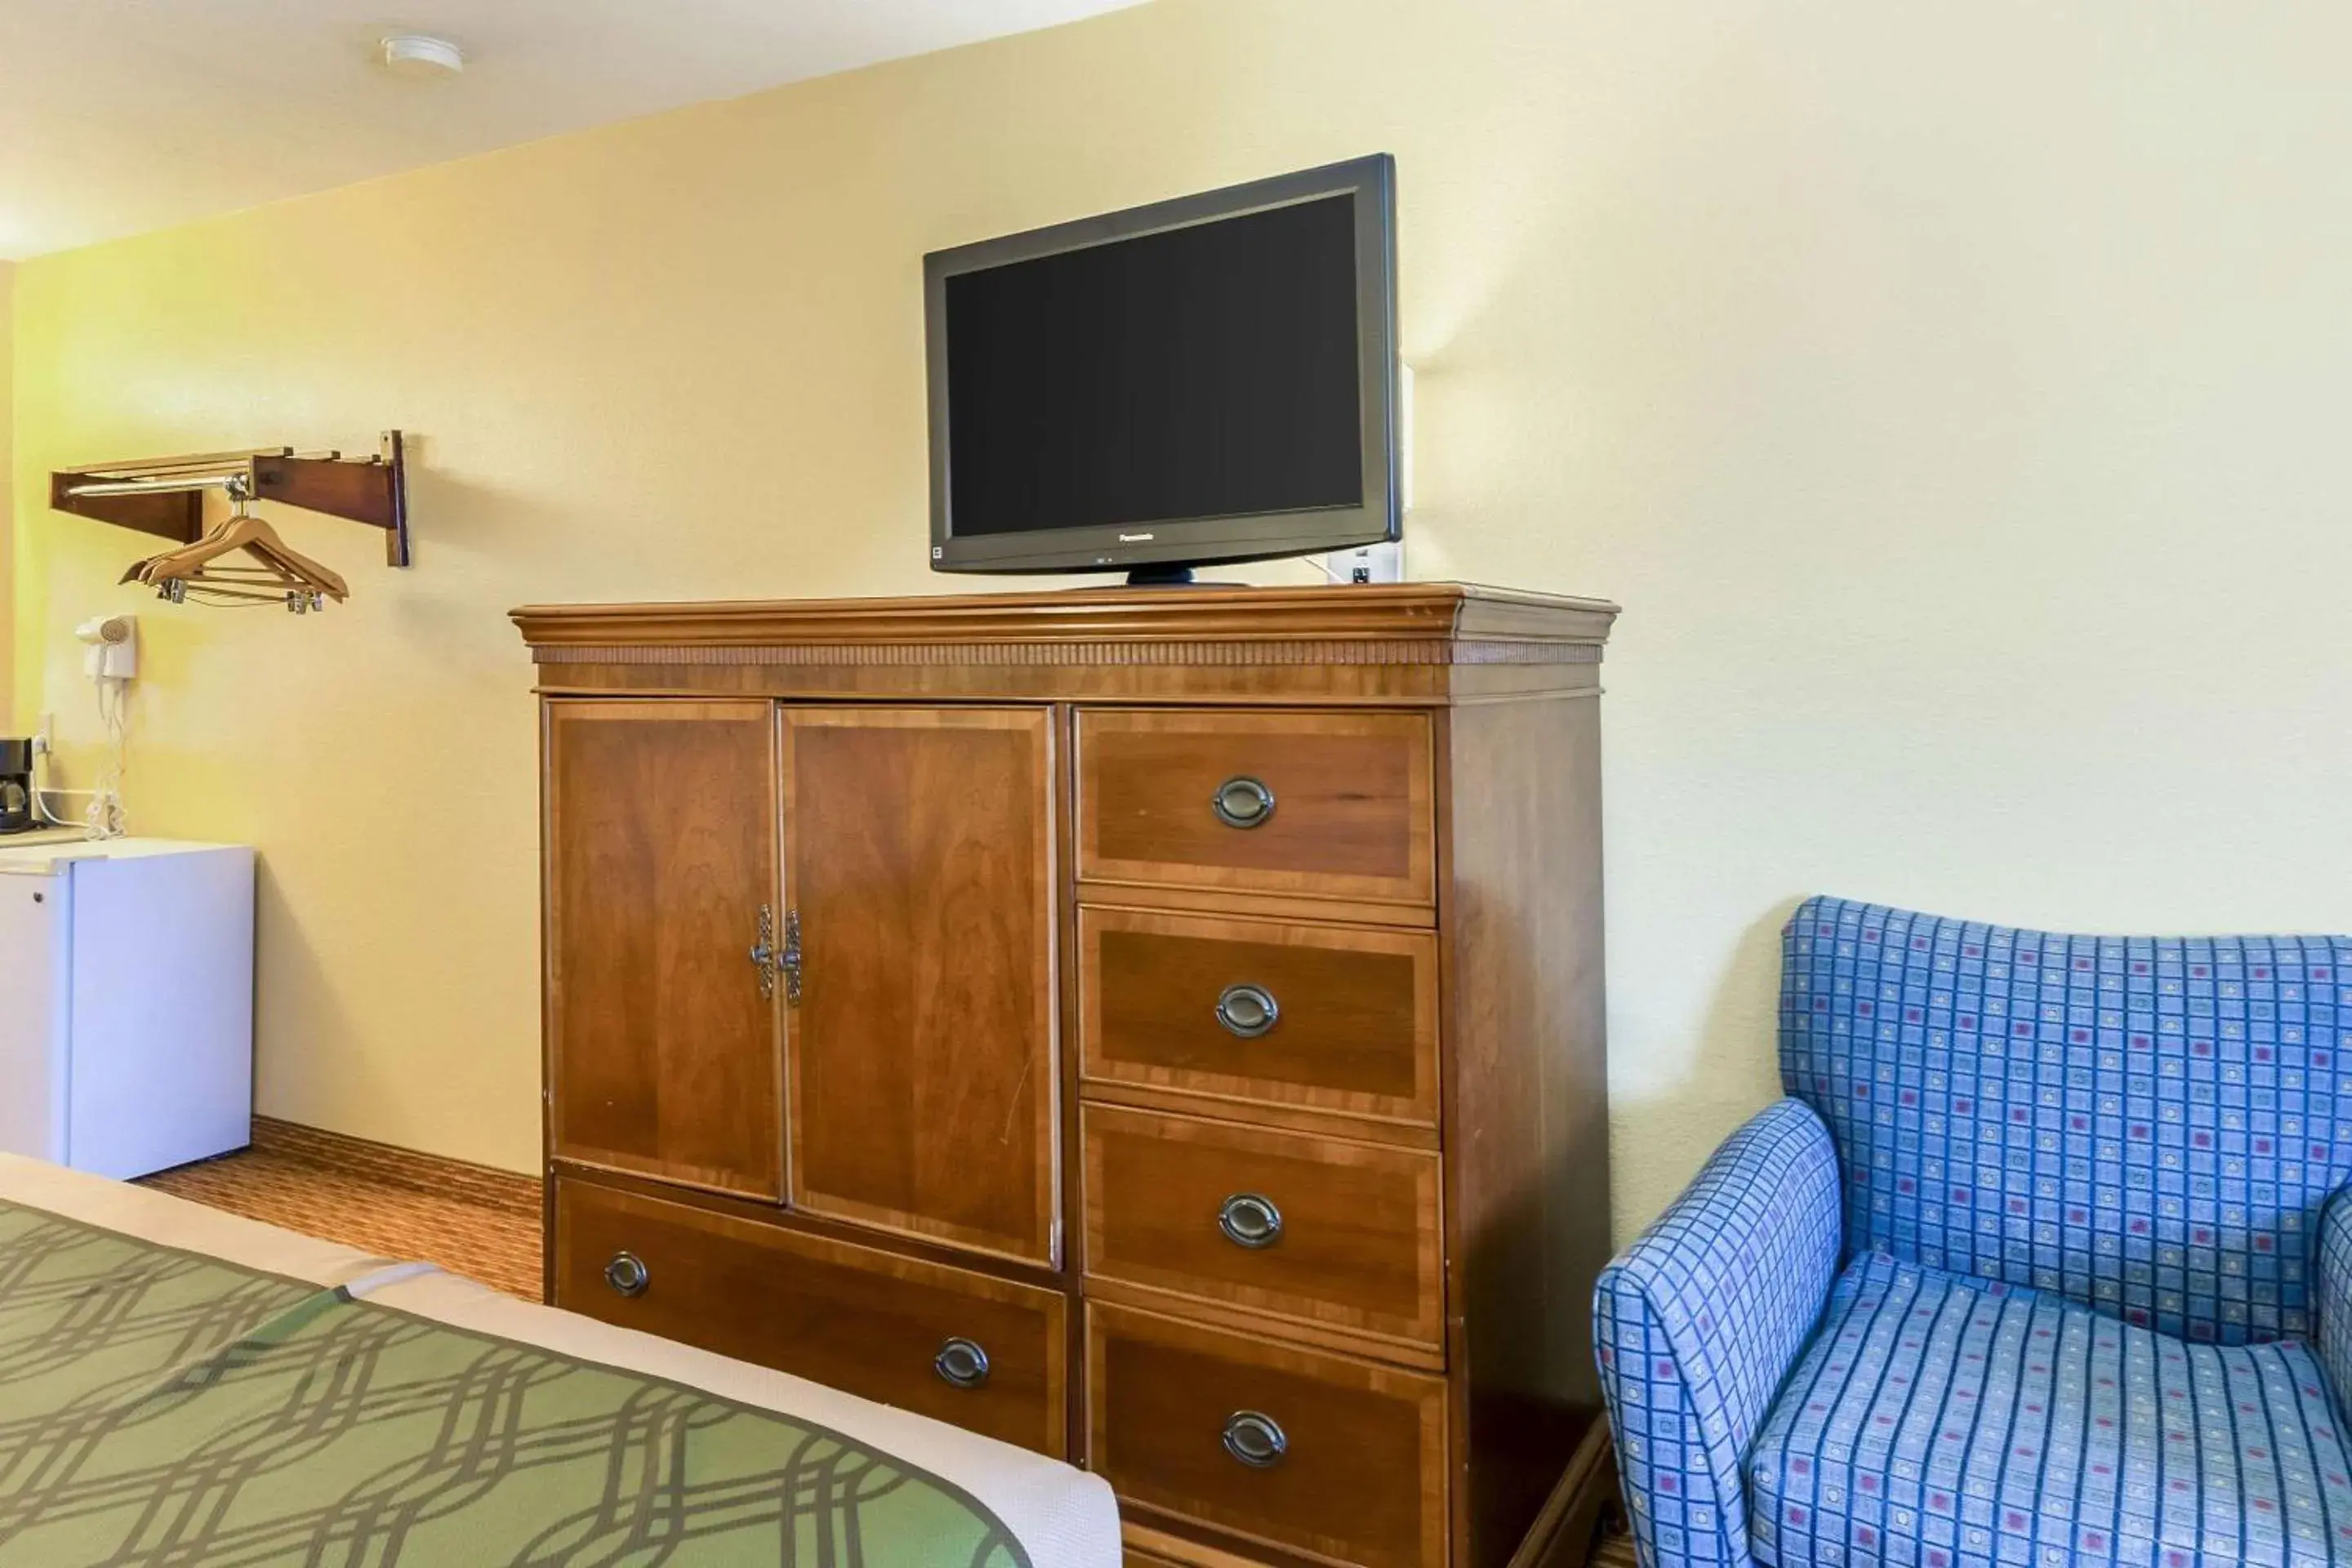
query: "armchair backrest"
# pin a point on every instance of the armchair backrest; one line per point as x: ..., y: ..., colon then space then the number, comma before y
x: 2148, y: 1125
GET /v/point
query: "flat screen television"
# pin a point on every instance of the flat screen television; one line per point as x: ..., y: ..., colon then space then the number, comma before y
x: 1210, y: 379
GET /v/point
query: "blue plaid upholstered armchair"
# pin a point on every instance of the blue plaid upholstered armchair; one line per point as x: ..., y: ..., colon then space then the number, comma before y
x: 2037, y: 1265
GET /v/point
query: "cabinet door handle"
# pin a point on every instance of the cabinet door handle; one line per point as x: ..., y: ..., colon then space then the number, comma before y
x: 763, y: 951
x: 962, y: 1362
x: 1255, y: 1440
x: 1248, y: 1011
x: 627, y: 1274
x: 1250, y: 1221
x: 791, y: 963
x: 1242, y: 802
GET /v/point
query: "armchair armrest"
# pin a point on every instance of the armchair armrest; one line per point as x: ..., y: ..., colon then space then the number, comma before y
x: 1699, y: 1320
x: 2332, y: 1293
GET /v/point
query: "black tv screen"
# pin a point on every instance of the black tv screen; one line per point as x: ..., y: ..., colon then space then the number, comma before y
x: 1200, y: 371
x: 1204, y: 380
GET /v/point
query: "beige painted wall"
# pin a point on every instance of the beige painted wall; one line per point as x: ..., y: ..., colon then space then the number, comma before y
x: 8, y: 461
x: 1952, y: 393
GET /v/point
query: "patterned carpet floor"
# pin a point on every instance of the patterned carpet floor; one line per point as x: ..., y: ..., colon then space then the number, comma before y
x: 469, y: 1219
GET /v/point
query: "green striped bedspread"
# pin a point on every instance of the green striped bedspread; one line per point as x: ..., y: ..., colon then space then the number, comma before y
x: 168, y: 1410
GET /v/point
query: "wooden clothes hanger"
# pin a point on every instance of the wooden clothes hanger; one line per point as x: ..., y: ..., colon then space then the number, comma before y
x: 284, y: 575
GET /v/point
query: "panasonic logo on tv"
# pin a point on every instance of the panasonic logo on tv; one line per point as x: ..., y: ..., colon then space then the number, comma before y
x: 1135, y: 539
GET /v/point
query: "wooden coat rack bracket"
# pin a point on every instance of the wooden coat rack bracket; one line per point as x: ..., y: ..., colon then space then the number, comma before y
x: 170, y: 514
x: 164, y: 496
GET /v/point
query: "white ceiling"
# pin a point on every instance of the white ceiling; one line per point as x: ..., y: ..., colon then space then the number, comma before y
x: 119, y: 116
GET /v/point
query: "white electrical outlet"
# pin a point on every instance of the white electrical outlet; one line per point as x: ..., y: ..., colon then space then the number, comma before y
x: 1370, y: 563
x: 45, y: 739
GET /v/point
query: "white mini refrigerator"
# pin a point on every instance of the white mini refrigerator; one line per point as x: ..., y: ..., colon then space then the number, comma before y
x: 126, y: 1002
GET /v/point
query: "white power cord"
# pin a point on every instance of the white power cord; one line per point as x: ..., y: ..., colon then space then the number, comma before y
x: 104, y: 816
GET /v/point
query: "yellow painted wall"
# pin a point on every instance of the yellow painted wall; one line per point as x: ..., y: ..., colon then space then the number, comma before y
x: 1952, y: 393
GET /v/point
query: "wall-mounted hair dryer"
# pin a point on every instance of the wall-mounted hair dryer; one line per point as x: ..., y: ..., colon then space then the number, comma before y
x: 114, y: 647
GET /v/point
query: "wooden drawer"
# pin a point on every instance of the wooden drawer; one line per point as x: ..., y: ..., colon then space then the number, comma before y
x: 1361, y: 1475
x: 1355, y: 1242
x: 869, y: 1323
x: 1350, y: 815
x: 1354, y: 1021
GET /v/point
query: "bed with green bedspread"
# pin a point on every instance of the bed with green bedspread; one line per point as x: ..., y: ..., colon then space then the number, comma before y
x: 163, y: 1407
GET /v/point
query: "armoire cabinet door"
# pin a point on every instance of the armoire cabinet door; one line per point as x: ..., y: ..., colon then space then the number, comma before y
x: 661, y: 853
x: 919, y: 870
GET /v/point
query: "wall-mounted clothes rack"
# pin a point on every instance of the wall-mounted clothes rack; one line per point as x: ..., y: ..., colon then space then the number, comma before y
x: 164, y: 496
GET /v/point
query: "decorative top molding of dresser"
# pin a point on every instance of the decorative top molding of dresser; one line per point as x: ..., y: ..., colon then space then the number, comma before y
x: 1403, y: 623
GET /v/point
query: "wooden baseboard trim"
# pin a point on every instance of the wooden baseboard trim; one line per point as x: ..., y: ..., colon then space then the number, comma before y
x: 482, y: 1185
x: 1563, y: 1533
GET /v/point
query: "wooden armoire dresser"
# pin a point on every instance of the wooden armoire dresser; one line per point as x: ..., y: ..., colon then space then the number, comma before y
x: 1160, y: 1027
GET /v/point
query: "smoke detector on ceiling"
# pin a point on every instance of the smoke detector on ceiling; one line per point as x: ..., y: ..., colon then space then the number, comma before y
x: 422, y: 54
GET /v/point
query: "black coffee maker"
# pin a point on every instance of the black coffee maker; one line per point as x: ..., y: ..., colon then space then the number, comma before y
x: 17, y: 814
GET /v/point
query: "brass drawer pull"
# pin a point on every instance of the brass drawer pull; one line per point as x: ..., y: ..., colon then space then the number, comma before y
x: 763, y: 951
x: 790, y: 963
x: 1255, y: 1439
x: 1242, y: 802
x: 627, y: 1274
x: 1250, y: 1221
x: 1248, y: 1011
x: 962, y: 1362
x: 771, y: 961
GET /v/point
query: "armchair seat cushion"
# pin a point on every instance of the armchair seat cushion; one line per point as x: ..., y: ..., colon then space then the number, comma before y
x: 1943, y: 1422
